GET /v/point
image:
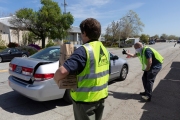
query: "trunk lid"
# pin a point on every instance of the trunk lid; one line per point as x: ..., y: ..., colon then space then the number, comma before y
x: 24, y: 68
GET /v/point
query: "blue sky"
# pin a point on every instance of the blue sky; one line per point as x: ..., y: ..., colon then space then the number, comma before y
x: 159, y: 16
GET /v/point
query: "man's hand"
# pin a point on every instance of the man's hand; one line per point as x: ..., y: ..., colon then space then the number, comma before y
x: 124, y: 52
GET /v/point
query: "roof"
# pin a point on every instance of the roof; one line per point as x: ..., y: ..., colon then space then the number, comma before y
x: 5, y: 21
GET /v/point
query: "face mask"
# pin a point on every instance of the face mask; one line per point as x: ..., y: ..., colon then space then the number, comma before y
x: 139, y: 50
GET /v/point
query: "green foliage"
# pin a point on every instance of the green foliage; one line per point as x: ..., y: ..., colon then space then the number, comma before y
x: 48, y: 21
x: 144, y: 38
x: 13, y: 45
x: 29, y: 37
x: 50, y: 43
x: 29, y: 49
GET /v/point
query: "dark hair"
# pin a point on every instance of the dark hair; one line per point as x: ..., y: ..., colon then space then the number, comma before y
x: 91, y: 27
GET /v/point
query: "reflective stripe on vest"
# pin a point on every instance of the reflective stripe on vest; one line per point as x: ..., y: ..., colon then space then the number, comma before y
x: 92, y: 74
x: 93, y: 89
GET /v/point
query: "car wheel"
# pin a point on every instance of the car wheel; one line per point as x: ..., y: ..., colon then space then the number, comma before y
x: 124, y: 72
x: 67, y: 96
x: 24, y: 55
x: 1, y: 59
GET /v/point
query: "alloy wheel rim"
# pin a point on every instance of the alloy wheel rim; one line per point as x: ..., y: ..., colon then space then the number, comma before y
x: 24, y: 55
x: 124, y: 72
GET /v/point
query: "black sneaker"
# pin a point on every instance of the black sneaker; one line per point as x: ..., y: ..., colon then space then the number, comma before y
x: 146, y: 98
x: 142, y: 93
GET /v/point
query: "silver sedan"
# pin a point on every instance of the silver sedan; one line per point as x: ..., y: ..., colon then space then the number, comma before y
x: 33, y: 76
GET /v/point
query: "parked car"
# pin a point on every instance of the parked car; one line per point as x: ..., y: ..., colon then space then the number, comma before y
x: 33, y: 76
x: 178, y: 41
x: 151, y: 42
x: 9, y: 53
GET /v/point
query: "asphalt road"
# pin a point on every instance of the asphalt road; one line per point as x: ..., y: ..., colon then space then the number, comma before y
x: 123, y: 103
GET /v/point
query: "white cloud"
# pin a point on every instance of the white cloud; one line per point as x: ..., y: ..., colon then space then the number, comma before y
x: 87, y: 8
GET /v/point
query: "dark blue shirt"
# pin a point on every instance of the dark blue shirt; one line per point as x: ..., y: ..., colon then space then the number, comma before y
x: 155, y: 63
x: 77, y: 62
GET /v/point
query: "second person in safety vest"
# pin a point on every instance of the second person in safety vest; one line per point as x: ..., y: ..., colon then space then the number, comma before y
x: 151, y: 62
x: 91, y: 62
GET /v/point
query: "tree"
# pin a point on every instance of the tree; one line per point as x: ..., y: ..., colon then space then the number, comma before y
x: 48, y: 21
x: 129, y: 26
x: 156, y: 36
x: 132, y: 25
x: 172, y: 37
x: 17, y: 26
x: 112, y: 32
x: 144, y: 38
x: 164, y: 37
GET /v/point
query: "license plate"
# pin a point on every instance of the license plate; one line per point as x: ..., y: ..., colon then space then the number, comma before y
x: 18, y: 69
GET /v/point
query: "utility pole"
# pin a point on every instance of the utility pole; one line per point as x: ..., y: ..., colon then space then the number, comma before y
x: 64, y: 4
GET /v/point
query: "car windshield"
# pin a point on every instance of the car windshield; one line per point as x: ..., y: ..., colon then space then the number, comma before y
x: 50, y: 54
x: 6, y: 50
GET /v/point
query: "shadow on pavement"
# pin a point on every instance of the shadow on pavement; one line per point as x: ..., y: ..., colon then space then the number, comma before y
x: 165, y: 103
x: 124, y: 96
x: 14, y: 102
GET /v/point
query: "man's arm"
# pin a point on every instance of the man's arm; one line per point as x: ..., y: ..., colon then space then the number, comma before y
x: 60, y: 74
x: 149, y: 63
x: 148, y: 54
x: 132, y: 55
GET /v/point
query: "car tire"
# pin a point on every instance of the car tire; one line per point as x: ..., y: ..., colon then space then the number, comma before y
x: 24, y: 55
x: 67, y: 96
x: 124, y: 72
x: 1, y: 60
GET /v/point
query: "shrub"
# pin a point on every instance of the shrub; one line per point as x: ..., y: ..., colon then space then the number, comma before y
x: 3, y: 47
x: 2, y: 42
x: 13, y: 45
x: 50, y: 43
x: 35, y: 46
x: 29, y: 49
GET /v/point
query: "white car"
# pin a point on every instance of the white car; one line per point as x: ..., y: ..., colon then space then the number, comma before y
x: 33, y: 76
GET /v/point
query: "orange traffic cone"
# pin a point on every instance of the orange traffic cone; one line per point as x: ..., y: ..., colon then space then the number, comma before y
x: 128, y: 56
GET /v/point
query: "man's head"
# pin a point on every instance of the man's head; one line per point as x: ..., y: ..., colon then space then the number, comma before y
x: 90, y: 29
x: 138, y: 47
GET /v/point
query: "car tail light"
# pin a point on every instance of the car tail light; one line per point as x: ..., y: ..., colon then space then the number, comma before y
x: 27, y: 71
x: 41, y: 77
x: 12, y: 66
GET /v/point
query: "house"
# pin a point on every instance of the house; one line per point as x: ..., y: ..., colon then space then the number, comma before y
x: 9, y: 33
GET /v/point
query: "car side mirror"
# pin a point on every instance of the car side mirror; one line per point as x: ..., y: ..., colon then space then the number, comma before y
x: 115, y: 57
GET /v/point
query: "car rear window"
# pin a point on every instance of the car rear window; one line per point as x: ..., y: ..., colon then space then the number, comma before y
x: 49, y: 54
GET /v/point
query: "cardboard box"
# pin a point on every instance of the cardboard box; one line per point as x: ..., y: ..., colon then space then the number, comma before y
x: 70, y: 82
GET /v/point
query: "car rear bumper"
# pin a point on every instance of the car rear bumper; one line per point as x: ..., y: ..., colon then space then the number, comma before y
x: 43, y: 91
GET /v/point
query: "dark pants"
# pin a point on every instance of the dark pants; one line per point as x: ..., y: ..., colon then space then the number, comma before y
x: 148, y: 80
x: 92, y: 111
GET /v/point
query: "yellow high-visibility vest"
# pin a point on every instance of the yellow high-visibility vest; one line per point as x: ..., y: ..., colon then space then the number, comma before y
x: 143, y: 59
x: 93, y: 80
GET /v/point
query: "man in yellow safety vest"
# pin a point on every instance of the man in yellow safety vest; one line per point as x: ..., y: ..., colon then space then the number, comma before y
x: 91, y: 62
x: 151, y: 62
